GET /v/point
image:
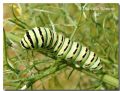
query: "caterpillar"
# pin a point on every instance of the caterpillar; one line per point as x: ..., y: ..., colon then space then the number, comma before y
x: 62, y: 47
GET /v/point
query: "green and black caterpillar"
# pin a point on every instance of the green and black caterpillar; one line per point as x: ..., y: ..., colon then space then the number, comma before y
x: 62, y: 47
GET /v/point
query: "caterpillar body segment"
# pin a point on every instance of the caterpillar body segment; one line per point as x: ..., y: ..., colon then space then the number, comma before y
x: 62, y: 47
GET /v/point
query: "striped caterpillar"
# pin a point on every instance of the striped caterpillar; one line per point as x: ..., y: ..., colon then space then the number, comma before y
x: 62, y: 47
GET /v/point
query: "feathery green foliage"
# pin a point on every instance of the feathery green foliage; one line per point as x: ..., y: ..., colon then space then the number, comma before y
x: 94, y: 25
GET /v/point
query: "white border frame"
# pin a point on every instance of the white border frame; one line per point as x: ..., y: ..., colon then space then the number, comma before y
x: 61, y: 1
x: 35, y: 1
x: 1, y: 47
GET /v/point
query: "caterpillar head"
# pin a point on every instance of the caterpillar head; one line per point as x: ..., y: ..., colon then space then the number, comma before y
x: 24, y: 44
x: 28, y: 41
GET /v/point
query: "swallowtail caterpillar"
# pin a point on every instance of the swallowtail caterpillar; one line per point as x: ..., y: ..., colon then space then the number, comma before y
x: 62, y: 47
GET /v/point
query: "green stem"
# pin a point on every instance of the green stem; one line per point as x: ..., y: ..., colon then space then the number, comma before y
x: 43, y: 74
x: 111, y: 80
x: 8, y: 63
x: 104, y: 77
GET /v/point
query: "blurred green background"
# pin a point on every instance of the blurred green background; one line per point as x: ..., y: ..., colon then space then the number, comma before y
x: 93, y: 25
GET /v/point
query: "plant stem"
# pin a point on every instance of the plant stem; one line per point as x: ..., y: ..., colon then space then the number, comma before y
x: 111, y: 80
x: 102, y: 77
